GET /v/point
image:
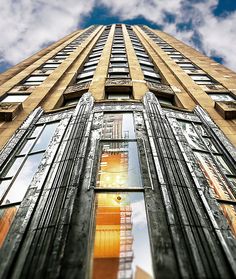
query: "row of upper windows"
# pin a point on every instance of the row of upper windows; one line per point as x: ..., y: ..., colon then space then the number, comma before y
x: 49, y: 66
x: 118, y: 67
x: 191, y: 69
x: 41, y: 74
x: 148, y: 68
x: 87, y: 72
x: 197, y: 74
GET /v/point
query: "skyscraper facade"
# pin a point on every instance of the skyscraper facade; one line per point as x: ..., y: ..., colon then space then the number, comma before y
x: 118, y: 160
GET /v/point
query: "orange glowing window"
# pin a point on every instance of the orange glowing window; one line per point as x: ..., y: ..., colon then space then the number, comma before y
x: 121, y: 251
x: 119, y: 165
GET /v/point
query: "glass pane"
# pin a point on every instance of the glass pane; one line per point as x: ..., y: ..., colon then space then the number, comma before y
x: 221, y: 97
x: 201, y: 131
x: 14, y: 167
x: 122, y: 245
x: 45, y: 137
x: 4, y: 184
x: 37, y: 131
x: 117, y: 96
x: 208, y: 142
x: 36, y: 78
x: 191, y: 135
x: 50, y: 65
x: 6, y: 218
x: 14, y: 98
x: 21, y: 184
x: 26, y: 147
x: 118, y: 126
x: 223, y: 165
x: 119, y: 166
x: 219, y: 186
x: 215, y: 179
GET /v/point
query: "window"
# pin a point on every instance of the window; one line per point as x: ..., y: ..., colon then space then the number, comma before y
x: 50, y: 65
x: 151, y: 74
x: 86, y: 75
x: 186, y: 65
x: 14, y: 98
x: 95, y: 55
x: 140, y: 54
x: 89, y: 69
x: 199, y: 77
x: 118, y: 75
x: 118, y: 70
x: 71, y: 102
x: 118, y: 64
x: 119, y: 245
x: 147, y: 68
x: 18, y: 173
x: 117, y: 96
x: 120, y: 216
x: 34, y: 80
x: 164, y: 101
x: 221, y: 97
x: 91, y: 63
x: 220, y: 174
x: 146, y: 63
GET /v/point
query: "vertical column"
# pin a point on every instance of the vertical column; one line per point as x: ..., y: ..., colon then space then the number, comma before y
x: 161, y: 61
x: 97, y: 86
x: 139, y: 85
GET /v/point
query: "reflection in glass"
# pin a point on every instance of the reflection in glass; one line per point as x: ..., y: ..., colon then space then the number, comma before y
x: 219, y: 185
x: 36, y: 131
x: 201, y: 131
x: 118, y: 126
x: 26, y: 147
x: 119, y: 165
x: 6, y: 218
x: 224, y: 167
x: 14, y: 167
x: 122, y: 246
x: 45, y: 137
x: 191, y: 135
x: 208, y: 142
x: 4, y: 184
x: 16, y: 98
x: 21, y: 184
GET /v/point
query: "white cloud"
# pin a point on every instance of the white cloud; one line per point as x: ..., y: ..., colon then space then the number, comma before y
x: 28, y: 25
x: 217, y: 34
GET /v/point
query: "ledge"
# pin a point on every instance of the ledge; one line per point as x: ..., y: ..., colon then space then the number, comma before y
x: 226, y: 109
x: 160, y: 88
x: 8, y: 111
x: 73, y: 90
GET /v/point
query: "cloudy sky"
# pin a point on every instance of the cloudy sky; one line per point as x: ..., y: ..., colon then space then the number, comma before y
x: 27, y: 26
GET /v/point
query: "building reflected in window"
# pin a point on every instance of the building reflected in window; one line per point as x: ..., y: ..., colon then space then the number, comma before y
x: 118, y: 126
x: 215, y: 168
x: 122, y: 246
x: 16, y: 177
x: 119, y: 165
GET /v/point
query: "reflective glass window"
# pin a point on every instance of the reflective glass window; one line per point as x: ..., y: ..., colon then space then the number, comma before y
x: 122, y: 245
x: 221, y: 97
x: 45, y: 137
x: 118, y: 126
x: 7, y: 215
x: 119, y: 165
x: 117, y: 96
x: 16, y: 98
x: 22, y: 181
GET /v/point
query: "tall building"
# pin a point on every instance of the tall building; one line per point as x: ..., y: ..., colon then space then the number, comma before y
x: 118, y: 160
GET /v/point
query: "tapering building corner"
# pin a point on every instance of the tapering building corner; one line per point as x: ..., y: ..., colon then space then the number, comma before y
x: 118, y: 160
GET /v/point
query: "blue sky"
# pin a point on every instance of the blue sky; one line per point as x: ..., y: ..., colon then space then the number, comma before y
x: 26, y: 26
